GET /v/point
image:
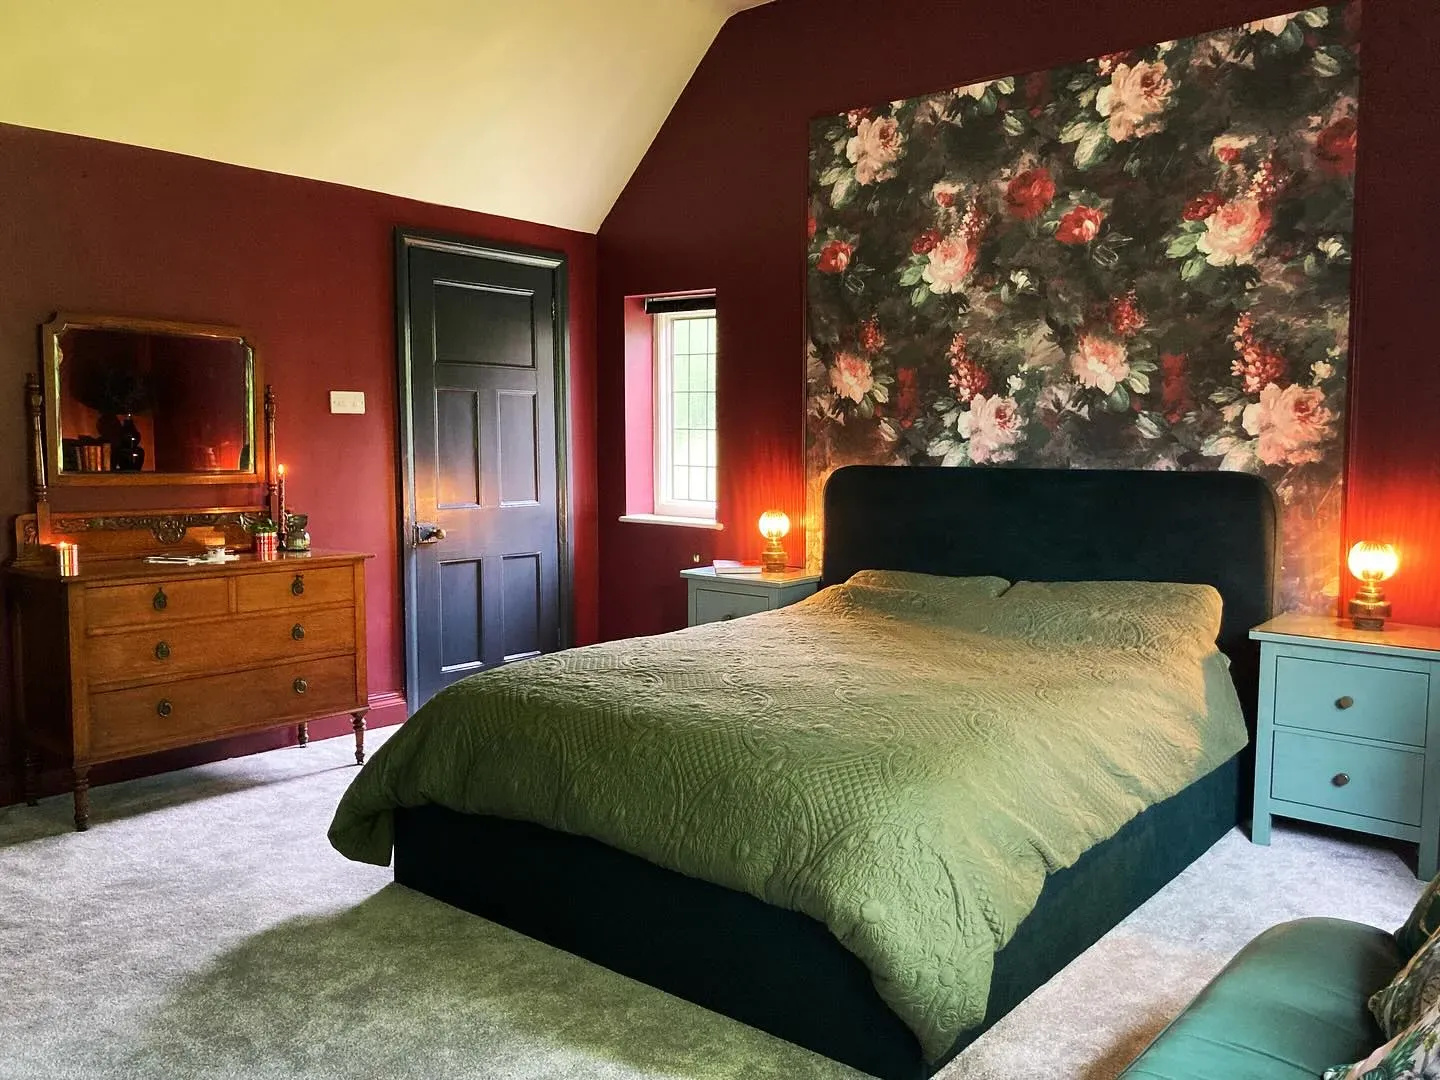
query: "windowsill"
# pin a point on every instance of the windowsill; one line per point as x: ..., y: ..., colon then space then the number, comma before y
x: 664, y: 519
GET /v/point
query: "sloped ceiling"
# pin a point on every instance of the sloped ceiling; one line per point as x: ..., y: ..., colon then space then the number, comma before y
x: 534, y: 109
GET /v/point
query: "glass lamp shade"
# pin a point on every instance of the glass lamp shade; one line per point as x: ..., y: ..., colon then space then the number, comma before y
x: 1373, y: 562
x: 774, y: 524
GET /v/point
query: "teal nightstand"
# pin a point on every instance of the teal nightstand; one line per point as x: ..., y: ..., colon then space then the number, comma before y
x: 721, y: 597
x: 1349, y: 729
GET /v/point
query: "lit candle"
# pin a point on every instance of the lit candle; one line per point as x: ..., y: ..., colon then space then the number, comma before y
x: 69, y: 558
x: 281, y: 521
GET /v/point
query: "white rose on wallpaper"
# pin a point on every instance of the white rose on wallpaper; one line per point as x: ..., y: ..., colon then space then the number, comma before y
x: 1100, y: 362
x: 1276, y: 24
x: 874, y: 148
x: 1133, y: 99
x: 1233, y: 232
x: 993, y: 426
x: 851, y: 377
x: 951, y: 261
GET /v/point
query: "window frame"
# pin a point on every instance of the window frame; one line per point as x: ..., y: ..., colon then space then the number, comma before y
x: 663, y: 420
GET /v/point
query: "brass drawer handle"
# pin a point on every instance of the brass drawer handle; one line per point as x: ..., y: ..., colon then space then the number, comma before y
x: 161, y: 601
x: 297, y: 587
x: 1344, y: 702
x: 1340, y: 779
x: 297, y: 632
x: 162, y: 651
x: 164, y: 708
x: 300, y: 686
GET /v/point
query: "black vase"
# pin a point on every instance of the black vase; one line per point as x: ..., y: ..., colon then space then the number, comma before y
x: 127, y: 455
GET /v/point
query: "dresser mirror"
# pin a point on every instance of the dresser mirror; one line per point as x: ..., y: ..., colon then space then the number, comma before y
x: 135, y: 401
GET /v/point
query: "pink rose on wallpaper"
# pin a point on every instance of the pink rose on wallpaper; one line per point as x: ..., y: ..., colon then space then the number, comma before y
x: 834, y: 257
x: 1233, y: 231
x: 873, y: 149
x: 1099, y: 362
x: 851, y: 377
x: 993, y: 426
x: 1029, y: 193
x: 1291, y: 424
x: 1080, y: 226
x: 1133, y: 99
x: 951, y: 261
x: 1274, y: 25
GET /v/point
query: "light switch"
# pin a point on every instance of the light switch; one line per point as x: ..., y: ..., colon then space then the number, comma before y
x: 347, y: 401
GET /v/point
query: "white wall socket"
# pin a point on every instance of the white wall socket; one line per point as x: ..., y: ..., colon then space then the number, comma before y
x: 347, y: 401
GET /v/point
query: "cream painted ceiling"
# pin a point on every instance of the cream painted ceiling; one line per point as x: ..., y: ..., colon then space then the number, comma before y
x: 534, y: 109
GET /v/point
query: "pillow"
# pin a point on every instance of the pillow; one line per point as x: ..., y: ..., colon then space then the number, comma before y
x: 1423, y: 921
x: 1410, y: 993
x: 1152, y: 616
x: 957, y: 588
x: 1414, y: 1054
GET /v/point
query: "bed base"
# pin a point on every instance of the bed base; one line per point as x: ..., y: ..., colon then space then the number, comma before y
x: 774, y: 969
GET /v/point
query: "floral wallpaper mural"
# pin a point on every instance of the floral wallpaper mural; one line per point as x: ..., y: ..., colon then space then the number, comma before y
x: 1139, y: 261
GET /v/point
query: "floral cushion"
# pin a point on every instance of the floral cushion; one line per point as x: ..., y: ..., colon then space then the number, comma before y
x: 1423, y: 921
x: 1414, y: 1054
x: 1411, y: 992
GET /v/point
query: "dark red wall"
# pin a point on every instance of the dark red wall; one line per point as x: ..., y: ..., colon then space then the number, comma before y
x: 719, y: 201
x: 306, y: 269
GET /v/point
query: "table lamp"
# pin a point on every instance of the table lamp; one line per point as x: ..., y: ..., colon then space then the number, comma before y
x: 774, y: 524
x: 1371, y: 564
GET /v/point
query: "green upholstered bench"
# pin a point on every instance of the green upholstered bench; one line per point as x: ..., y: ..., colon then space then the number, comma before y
x: 1291, y: 1004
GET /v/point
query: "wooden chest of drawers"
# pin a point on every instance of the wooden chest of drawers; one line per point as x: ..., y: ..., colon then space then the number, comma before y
x: 130, y: 657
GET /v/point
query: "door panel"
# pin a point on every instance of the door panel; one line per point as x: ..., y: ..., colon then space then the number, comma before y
x: 481, y: 400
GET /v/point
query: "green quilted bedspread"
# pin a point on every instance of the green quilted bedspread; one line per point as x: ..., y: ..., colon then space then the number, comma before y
x: 903, y: 758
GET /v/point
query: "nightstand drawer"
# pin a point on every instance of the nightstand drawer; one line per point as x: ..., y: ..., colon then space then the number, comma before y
x: 714, y: 605
x: 1351, y: 699
x: 1376, y: 781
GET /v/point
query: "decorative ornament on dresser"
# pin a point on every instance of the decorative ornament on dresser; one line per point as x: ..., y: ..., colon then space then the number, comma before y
x: 135, y: 631
x: 1137, y: 261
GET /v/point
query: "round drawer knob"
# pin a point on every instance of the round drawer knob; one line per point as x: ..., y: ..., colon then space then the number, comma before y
x: 1340, y: 779
x: 162, y: 651
x: 164, y: 708
x: 1344, y: 702
x: 297, y: 632
x: 300, y: 686
x: 297, y: 587
x: 160, y: 601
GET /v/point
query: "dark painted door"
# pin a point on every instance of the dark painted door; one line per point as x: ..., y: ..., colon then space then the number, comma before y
x: 484, y: 529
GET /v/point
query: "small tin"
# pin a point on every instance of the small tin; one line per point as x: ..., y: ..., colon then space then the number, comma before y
x: 267, y: 545
x: 68, y: 556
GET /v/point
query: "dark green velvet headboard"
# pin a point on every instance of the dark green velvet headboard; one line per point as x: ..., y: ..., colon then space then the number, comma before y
x: 1065, y: 525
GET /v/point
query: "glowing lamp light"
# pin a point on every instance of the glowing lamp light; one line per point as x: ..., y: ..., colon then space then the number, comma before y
x: 1371, y: 564
x: 774, y: 524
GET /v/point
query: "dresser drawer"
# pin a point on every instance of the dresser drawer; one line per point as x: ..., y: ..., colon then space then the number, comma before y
x: 155, y: 603
x: 1380, y: 782
x: 146, y: 718
x: 198, y: 648
x: 1351, y: 699
x: 293, y: 588
x: 714, y: 605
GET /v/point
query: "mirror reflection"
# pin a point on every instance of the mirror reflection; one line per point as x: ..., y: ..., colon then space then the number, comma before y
x: 140, y: 401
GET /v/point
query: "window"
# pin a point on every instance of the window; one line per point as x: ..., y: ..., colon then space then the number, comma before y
x: 684, y: 400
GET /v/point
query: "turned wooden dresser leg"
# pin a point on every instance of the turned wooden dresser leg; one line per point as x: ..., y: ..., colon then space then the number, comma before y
x: 302, y: 733
x: 30, y: 778
x: 82, y: 797
x: 358, y: 723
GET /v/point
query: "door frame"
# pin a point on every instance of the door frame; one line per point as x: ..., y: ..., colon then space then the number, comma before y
x: 407, y: 240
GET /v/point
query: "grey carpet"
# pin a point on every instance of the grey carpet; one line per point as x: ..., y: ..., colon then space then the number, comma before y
x: 203, y: 928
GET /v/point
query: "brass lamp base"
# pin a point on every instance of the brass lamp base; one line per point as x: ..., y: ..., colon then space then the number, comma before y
x: 1369, y: 609
x: 773, y: 559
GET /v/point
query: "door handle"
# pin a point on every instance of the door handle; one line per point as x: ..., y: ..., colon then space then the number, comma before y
x: 428, y: 533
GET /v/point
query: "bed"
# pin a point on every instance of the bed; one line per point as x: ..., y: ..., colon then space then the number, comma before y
x: 787, y: 972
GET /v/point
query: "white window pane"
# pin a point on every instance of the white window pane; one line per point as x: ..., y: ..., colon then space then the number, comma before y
x: 681, y: 443
x: 710, y: 334
x: 698, y: 486
x: 680, y: 479
x: 710, y: 475
x: 682, y: 378
x: 711, y: 458
x: 708, y: 400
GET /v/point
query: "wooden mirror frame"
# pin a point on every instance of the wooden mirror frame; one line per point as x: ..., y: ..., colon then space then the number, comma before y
x: 260, y: 470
